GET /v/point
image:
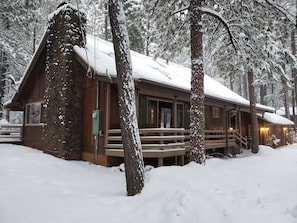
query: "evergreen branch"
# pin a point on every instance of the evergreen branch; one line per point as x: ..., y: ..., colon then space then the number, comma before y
x: 281, y: 10
x: 208, y: 11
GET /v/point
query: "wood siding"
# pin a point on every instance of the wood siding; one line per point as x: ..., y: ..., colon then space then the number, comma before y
x: 32, y: 136
x: 215, y: 123
x: 114, y: 108
x: 34, y: 92
x: 90, y: 88
x: 89, y: 104
x: 245, y: 123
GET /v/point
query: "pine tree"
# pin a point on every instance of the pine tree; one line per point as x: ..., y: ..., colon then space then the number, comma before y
x: 14, y: 23
x: 21, y: 24
x: 134, y: 166
x: 135, y: 24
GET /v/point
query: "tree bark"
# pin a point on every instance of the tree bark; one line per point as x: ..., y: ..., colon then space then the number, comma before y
x: 3, y: 69
x: 134, y: 166
x: 286, y: 100
x: 253, y: 113
x: 294, y: 73
x: 197, y: 151
x: 262, y: 94
x: 244, y: 85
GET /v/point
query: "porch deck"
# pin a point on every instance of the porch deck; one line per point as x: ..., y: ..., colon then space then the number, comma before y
x: 11, y: 133
x: 157, y: 143
x: 161, y: 143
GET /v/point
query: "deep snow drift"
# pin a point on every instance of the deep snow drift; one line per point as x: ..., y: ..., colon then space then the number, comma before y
x: 36, y: 187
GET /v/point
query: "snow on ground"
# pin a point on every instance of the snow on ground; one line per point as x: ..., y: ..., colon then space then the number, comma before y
x: 36, y: 187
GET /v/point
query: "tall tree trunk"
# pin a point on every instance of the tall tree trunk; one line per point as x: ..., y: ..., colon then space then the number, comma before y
x: 134, y: 166
x: 3, y: 69
x: 231, y: 82
x: 245, y: 88
x: 286, y: 94
x: 34, y: 40
x: 197, y: 151
x: 272, y: 93
x: 105, y: 22
x: 63, y: 95
x: 253, y: 113
x: 294, y: 72
x: 262, y: 94
x: 286, y: 99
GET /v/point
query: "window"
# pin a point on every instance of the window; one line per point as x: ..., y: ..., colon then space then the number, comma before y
x: 152, y: 113
x: 34, y: 113
x: 215, y: 112
x: 159, y: 113
x: 165, y: 119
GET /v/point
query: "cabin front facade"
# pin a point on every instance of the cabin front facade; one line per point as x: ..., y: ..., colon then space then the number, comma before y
x: 276, y: 130
x: 87, y: 126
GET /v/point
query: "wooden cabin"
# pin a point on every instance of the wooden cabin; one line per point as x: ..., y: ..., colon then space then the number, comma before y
x: 275, y: 129
x: 82, y: 120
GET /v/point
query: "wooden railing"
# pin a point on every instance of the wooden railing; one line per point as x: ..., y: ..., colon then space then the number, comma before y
x: 156, y: 143
x: 219, y: 139
x: 242, y: 141
x: 172, y: 142
x: 11, y: 132
x: 215, y: 139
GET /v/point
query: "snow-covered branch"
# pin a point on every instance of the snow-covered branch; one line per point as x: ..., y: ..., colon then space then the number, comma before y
x: 180, y: 10
x: 281, y: 10
x: 215, y: 14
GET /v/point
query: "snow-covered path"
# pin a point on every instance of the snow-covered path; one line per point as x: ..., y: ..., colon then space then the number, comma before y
x: 36, y: 187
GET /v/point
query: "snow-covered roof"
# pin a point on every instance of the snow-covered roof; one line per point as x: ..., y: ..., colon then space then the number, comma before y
x: 276, y: 119
x: 99, y: 54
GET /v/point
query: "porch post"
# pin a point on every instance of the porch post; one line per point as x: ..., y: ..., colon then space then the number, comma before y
x: 226, y: 131
x: 137, y: 101
x: 239, y: 127
x: 174, y: 113
x: 107, y: 120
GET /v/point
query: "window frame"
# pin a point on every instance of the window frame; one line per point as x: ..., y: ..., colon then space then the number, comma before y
x: 215, y: 112
x: 29, y: 116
